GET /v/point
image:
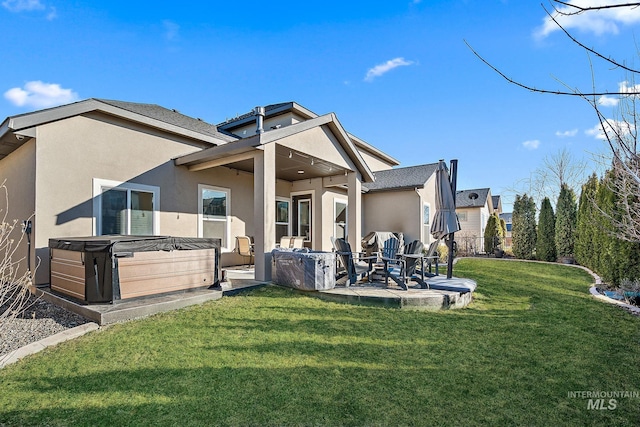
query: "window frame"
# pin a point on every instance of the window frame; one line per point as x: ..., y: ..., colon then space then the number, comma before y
x: 101, y: 185
x: 345, y: 202
x: 226, y: 245
x: 288, y: 223
x: 309, y: 201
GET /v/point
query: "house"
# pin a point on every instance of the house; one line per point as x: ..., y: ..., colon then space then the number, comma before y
x: 100, y: 166
x: 401, y: 200
x: 473, y: 208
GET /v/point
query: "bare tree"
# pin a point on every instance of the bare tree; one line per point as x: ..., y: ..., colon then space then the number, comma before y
x: 620, y: 135
x: 14, y: 282
x: 561, y: 168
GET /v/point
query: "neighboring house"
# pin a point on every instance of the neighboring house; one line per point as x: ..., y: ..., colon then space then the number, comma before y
x: 473, y: 208
x: 401, y: 200
x: 497, y: 204
x: 99, y: 167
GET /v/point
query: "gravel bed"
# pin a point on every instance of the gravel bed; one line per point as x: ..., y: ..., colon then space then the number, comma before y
x: 40, y: 320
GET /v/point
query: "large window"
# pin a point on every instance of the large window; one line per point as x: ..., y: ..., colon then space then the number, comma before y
x: 213, y: 213
x: 339, y: 219
x: 282, y: 218
x: 125, y: 208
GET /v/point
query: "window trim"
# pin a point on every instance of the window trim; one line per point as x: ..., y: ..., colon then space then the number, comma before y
x: 426, y: 227
x: 337, y: 200
x: 100, y: 184
x: 288, y: 223
x: 309, y: 200
x: 201, y: 218
x: 462, y: 216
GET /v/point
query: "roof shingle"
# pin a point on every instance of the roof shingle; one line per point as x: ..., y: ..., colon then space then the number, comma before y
x: 399, y: 178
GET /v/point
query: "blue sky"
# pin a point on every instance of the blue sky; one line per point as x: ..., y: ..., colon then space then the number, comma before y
x: 396, y: 73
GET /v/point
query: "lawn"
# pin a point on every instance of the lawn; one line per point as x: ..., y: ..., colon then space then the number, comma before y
x: 532, y: 336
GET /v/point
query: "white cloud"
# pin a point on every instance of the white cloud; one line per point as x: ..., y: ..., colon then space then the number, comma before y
x: 531, y: 144
x: 40, y: 95
x: 612, y: 127
x: 22, y: 5
x: 18, y: 6
x: 597, y: 22
x: 385, y: 67
x: 608, y: 101
x: 567, y: 133
x: 171, y: 29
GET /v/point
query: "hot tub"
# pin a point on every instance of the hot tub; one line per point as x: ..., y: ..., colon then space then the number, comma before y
x: 109, y: 268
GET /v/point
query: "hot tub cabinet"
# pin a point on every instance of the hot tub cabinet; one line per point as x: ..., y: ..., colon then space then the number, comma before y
x: 109, y: 268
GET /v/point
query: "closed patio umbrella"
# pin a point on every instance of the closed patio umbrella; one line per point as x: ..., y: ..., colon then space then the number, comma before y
x: 445, y: 221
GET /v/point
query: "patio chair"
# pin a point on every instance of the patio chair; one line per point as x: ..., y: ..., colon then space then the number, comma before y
x: 352, y: 265
x: 431, y: 259
x: 297, y: 242
x: 404, y: 267
x: 244, y: 247
x: 390, y: 248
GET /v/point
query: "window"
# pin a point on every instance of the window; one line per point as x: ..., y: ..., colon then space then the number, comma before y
x: 304, y: 219
x: 339, y: 219
x: 125, y: 208
x: 426, y: 208
x: 282, y: 218
x: 462, y: 216
x: 213, y: 213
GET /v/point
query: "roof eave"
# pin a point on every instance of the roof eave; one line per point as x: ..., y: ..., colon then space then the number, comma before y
x: 41, y: 117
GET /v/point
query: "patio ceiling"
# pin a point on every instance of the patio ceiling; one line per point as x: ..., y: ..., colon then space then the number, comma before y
x: 293, y: 165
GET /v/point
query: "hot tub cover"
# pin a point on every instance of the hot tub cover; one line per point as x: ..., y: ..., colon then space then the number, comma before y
x: 102, y: 253
x: 305, y: 270
x: 119, y: 243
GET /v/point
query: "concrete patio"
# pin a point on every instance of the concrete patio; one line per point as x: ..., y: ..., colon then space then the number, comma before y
x: 240, y: 279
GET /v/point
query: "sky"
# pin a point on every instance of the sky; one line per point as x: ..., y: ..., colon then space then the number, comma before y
x: 398, y: 74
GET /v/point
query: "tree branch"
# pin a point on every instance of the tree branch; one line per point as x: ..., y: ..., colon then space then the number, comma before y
x: 598, y: 54
x: 547, y: 91
x: 581, y: 9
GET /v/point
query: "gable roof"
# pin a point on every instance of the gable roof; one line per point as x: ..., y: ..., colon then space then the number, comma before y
x: 496, y: 201
x: 401, y: 178
x: 172, y: 116
x: 148, y: 114
x: 246, y: 145
x: 273, y: 110
x: 472, y: 198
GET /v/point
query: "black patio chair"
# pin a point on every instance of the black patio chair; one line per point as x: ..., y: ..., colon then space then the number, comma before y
x: 352, y: 265
x: 406, y: 267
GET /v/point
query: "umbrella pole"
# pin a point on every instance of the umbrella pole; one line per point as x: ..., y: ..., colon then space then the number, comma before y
x: 454, y: 178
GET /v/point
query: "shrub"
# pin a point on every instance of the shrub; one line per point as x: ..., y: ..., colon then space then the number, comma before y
x: 545, y: 244
x: 523, y: 227
x: 493, y: 235
x: 566, y: 215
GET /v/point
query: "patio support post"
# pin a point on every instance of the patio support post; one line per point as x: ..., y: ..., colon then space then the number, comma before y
x: 454, y: 183
x: 264, y: 202
x: 354, y: 210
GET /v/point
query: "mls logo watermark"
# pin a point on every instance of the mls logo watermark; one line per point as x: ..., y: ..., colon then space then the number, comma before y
x: 603, y: 400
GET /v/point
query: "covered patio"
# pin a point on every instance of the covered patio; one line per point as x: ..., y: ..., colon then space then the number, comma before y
x: 306, y: 164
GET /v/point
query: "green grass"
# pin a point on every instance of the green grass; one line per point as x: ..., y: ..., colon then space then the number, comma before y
x: 274, y: 357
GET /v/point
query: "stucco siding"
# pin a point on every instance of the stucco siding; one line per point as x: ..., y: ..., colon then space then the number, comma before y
x: 72, y: 153
x: 397, y: 211
x: 17, y: 170
x: 374, y: 162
